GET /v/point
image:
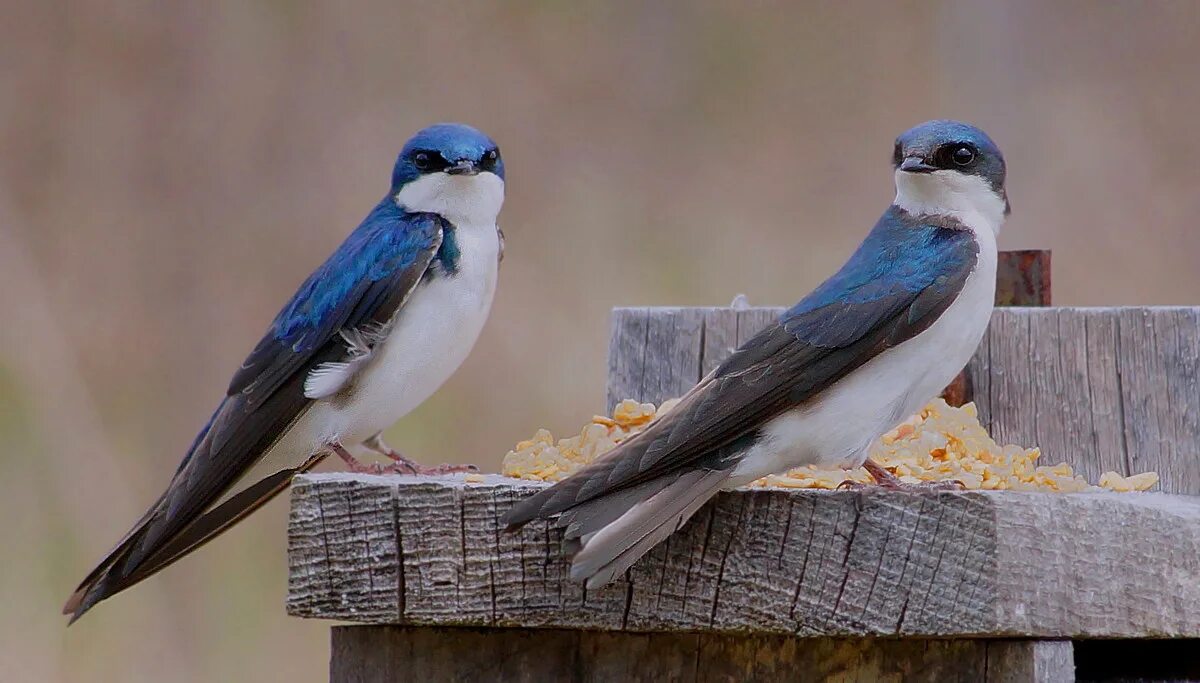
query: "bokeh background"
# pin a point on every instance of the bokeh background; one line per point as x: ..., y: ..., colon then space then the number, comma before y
x: 171, y: 171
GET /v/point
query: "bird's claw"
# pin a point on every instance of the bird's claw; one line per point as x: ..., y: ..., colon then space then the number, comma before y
x: 407, y: 466
x: 897, y: 485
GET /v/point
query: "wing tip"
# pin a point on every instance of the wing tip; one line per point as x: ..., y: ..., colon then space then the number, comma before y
x: 84, y: 599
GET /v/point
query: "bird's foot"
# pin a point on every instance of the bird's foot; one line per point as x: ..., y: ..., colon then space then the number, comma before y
x: 399, y: 465
x: 355, y: 465
x: 918, y: 487
x: 402, y: 464
x: 887, y: 481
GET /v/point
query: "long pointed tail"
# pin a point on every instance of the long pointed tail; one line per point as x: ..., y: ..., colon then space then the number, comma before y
x: 606, y: 535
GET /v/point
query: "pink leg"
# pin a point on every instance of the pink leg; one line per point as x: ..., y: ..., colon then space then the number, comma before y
x: 353, y: 463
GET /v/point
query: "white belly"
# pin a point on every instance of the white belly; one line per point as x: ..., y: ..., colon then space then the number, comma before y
x: 836, y: 428
x: 430, y: 338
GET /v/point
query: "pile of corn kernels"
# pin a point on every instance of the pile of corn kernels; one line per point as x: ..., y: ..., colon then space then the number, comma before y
x: 941, y: 443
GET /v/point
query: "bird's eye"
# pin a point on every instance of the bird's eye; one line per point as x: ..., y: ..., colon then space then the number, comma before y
x: 421, y: 160
x: 963, y: 156
x: 490, y: 157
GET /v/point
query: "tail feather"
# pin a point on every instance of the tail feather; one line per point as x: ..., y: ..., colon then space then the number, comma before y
x: 124, y: 566
x: 606, y: 544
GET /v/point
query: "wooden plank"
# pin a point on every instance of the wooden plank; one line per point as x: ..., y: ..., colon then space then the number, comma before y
x: 872, y: 563
x: 1160, y: 396
x: 389, y: 653
x: 626, y: 354
x: 1102, y: 389
x: 654, y: 354
x: 1030, y: 661
x: 720, y: 337
x: 354, y: 554
x: 674, y: 337
x: 751, y: 321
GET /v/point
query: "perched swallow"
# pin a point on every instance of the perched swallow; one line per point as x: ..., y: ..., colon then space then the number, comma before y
x: 863, y: 351
x: 366, y: 339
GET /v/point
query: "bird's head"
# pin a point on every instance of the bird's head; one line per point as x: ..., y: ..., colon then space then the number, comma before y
x: 453, y: 170
x: 950, y: 168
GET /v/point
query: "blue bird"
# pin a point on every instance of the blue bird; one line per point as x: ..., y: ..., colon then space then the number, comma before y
x: 367, y: 338
x: 862, y: 352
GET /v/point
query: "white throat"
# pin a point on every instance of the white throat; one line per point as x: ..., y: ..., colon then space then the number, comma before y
x: 967, y: 198
x: 460, y: 199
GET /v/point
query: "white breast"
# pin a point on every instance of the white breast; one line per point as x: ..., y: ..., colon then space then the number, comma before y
x: 428, y: 341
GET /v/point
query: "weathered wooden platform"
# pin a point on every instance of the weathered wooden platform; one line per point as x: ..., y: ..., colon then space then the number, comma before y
x: 804, y: 585
x: 409, y: 550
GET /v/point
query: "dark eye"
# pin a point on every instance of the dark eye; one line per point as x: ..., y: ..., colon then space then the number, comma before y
x: 490, y: 158
x: 421, y: 160
x: 963, y: 156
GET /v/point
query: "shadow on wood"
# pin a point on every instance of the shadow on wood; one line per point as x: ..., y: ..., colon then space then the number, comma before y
x: 363, y: 654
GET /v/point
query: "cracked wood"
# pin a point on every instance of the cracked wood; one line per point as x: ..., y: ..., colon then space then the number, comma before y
x: 403, y: 550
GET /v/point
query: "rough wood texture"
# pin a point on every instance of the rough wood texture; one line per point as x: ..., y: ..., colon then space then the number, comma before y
x: 421, y: 551
x: 363, y: 654
x: 1099, y: 388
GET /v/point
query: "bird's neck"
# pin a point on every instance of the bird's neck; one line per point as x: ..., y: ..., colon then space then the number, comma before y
x: 969, y: 200
x: 465, y: 201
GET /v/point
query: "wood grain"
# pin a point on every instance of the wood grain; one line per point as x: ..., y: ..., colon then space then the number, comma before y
x: 363, y: 654
x: 1102, y: 389
x: 763, y: 561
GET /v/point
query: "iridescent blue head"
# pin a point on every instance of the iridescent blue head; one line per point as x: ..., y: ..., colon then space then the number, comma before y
x: 451, y: 148
x: 452, y: 170
x: 951, y: 166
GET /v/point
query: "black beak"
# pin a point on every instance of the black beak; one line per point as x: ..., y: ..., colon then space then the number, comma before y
x: 916, y: 165
x: 462, y: 167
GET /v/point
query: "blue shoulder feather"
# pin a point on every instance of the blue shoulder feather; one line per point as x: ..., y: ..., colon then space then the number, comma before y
x: 390, y: 249
x: 902, y: 257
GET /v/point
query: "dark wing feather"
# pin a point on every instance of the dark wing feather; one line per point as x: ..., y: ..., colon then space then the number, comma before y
x: 878, y: 300
x: 363, y: 283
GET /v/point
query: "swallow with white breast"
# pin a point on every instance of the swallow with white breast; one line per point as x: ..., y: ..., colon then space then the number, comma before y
x: 371, y: 334
x: 862, y: 352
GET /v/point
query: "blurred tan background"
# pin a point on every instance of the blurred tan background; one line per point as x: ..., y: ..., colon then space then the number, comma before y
x: 171, y: 171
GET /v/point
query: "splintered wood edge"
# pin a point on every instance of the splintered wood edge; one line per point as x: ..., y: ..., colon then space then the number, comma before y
x: 431, y: 551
